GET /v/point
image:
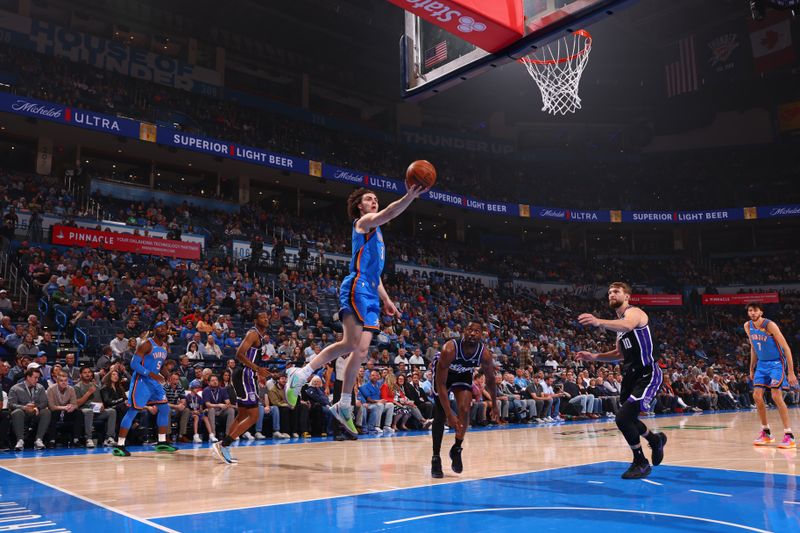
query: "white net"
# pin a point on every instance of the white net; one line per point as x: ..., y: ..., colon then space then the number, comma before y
x: 556, y: 68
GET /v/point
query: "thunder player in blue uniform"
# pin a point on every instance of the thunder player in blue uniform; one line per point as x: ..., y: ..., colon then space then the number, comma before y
x: 360, y: 298
x: 147, y: 388
x: 770, y: 366
x: 641, y: 375
x: 244, y: 383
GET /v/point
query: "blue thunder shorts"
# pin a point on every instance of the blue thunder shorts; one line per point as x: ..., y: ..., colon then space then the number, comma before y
x: 145, y: 391
x: 769, y: 374
x: 364, y: 306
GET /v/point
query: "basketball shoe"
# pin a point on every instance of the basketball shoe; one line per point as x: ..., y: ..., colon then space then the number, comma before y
x: 763, y: 439
x: 787, y: 443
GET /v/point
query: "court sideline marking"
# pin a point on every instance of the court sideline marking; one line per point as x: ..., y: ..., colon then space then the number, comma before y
x: 593, y: 509
x: 93, y: 502
x: 376, y: 491
x: 711, y: 493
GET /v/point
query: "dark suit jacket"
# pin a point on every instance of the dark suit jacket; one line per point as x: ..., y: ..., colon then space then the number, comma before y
x: 416, y: 394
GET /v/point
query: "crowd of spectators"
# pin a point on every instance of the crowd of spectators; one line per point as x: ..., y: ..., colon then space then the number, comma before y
x: 635, y: 182
x: 209, y: 306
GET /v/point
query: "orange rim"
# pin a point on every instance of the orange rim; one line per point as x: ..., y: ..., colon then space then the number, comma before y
x: 586, y: 47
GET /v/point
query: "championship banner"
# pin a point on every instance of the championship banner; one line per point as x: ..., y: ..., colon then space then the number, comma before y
x: 31, y: 107
x: 488, y: 25
x: 740, y: 299
x: 657, y: 300
x: 44, y: 156
x: 124, y: 242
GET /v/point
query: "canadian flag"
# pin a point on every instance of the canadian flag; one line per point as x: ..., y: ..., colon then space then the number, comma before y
x: 771, y: 40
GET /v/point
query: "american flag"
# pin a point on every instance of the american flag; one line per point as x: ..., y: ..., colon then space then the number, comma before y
x: 435, y: 55
x: 682, y: 76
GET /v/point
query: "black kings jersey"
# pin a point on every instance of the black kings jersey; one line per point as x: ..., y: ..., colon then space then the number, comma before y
x: 637, y: 349
x: 459, y: 375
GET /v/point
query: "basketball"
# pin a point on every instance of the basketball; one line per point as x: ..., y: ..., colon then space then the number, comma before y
x: 421, y: 173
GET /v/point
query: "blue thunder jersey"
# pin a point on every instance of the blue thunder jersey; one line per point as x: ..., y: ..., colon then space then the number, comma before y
x: 764, y: 344
x: 153, y: 361
x: 366, y: 264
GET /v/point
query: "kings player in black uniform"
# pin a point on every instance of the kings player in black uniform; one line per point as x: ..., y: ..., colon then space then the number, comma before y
x: 244, y: 382
x: 641, y: 375
x: 452, y: 372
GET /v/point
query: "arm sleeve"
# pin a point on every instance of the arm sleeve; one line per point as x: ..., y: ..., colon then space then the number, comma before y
x: 13, y: 399
x: 137, y: 365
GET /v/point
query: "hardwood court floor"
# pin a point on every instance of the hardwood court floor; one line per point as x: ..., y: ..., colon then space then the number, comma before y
x: 192, y: 481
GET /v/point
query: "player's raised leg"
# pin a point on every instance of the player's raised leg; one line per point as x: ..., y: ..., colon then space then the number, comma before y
x: 343, y: 409
x: 351, y: 340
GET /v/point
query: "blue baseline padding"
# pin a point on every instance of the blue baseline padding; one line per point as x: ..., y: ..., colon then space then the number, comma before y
x: 54, y: 510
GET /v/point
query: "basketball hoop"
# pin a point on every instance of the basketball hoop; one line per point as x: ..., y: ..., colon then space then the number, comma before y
x: 556, y: 68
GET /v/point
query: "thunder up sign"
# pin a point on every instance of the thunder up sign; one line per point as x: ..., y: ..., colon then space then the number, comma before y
x: 124, y: 242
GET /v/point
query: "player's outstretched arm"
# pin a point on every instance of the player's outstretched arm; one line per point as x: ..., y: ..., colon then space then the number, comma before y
x: 391, y: 211
x: 633, y: 319
x: 613, y: 355
x: 775, y: 331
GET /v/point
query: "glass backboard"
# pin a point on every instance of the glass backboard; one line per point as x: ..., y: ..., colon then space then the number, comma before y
x: 434, y: 60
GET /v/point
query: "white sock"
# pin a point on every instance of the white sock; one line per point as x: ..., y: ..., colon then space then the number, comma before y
x: 765, y: 428
x: 787, y: 430
x: 162, y: 437
x: 121, y: 441
x: 346, y: 400
x: 306, y: 372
